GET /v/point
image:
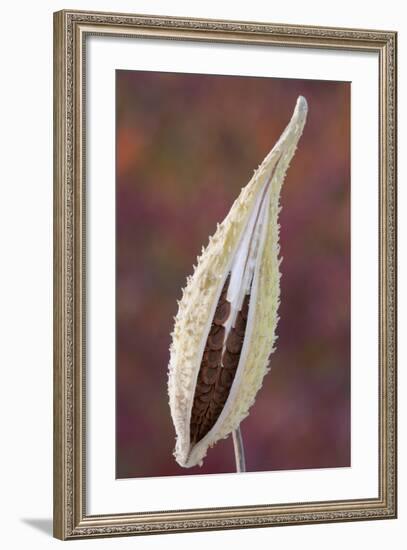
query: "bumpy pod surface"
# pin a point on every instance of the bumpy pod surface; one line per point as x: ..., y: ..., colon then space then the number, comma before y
x: 224, y: 330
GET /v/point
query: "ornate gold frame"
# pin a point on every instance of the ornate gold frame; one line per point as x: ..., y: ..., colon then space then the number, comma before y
x: 70, y: 31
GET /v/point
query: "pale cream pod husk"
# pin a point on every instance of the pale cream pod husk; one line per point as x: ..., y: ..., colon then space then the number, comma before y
x: 258, y: 203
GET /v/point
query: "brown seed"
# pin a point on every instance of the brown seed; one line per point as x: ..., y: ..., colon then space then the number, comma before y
x: 240, y: 324
x: 234, y: 342
x: 226, y: 377
x: 203, y: 388
x: 208, y: 377
x: 204, y: 397
x: 216, y: 337
x: 214, y: 357
x: 230, y: 360
x: 222, y: 313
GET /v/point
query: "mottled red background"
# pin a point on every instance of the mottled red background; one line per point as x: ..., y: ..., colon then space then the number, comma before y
x: 186, y: 144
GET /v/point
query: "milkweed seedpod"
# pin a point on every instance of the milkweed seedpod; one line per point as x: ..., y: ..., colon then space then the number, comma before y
x: 225, y: 326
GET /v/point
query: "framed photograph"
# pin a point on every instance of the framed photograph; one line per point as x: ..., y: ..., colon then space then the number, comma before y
x: 225, y: 274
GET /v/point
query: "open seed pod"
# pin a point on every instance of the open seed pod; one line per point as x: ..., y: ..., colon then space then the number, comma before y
x: 225, y: 327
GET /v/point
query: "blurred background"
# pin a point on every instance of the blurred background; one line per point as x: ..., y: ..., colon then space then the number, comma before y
x: 186, y: 144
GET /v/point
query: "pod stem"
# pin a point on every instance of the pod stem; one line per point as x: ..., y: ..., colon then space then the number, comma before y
x: 239, y: 450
